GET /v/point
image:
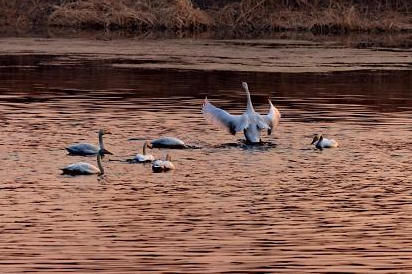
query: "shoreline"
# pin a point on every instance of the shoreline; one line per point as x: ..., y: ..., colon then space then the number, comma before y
x: 399, y: 40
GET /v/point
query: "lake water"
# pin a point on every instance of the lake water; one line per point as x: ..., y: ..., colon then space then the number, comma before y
x: 283, y: 207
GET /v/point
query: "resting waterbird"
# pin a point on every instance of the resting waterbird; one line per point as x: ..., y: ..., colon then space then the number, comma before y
x: 163, y: 166
x: 82, y: 168
x: 143, y: 158
x: 321, y: 142
x: 85, y: 149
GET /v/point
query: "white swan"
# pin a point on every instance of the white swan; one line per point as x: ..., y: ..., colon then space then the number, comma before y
x: 163, y: 166
x: 143, y: 158
x: 250, y: 122
x: 167, y: 142
x: 321, y: 142
x: 82, y: 168
x: 86, y: 149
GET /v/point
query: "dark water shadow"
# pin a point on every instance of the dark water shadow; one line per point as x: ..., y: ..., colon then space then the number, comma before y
x: 242, y: 144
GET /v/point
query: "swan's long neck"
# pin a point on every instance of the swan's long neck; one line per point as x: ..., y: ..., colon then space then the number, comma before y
x: 144, y: 148
x: 99, y: 163
x: 319, y: 143
x: 101, y: 144
x: 249, y: 101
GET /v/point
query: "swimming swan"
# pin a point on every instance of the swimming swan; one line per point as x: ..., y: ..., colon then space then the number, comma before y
x: 82, y: 168
x: 168, y: 142
x: 321, y: 142
x: 163, y: 166
x: 143, y: 158
x: 86, y: 149
x: 250, y: 122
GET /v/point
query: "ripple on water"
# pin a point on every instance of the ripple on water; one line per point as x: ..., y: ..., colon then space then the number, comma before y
x: 228, y: 207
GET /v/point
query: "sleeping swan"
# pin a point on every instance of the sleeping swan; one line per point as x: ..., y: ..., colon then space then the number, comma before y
x: 143, y: 158
x: 321, y: 142
x: 82, y: 168
x: 85, y: 149
x: 163, y: 166
x: 168, y: 142
x: 250, y: 122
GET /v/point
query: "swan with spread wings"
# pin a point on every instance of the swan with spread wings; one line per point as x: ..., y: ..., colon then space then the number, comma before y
x: 250, y: 122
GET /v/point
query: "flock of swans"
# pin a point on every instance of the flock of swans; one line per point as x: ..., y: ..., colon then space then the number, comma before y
x: 250, y: 122
x: 86, y: 149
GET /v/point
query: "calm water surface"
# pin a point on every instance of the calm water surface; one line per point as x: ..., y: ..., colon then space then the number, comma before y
x: 283, y: 208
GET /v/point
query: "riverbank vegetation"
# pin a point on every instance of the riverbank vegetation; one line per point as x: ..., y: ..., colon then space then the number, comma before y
x: 317, y: 16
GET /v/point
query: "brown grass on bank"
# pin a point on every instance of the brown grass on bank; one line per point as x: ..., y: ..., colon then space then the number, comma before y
x: 24, y: 14
x: 177, y: 14
x: 315, y: 15
x: 318, y: 16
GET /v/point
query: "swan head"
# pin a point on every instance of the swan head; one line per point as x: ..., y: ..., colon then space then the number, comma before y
x: 245, y: 86
x: 104, y: 151
x: 148, y: 144
x: 316, y: 138
x: 103, y: 132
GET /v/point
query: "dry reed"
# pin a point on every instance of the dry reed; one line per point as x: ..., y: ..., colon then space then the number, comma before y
x: 318, y: 16
x: 177, y: 14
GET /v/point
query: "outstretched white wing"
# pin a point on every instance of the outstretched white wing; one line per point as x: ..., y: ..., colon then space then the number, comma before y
x: 272, y: 118
x: 232, y: 123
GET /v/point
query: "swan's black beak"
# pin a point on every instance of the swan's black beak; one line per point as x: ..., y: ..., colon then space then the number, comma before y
x: 314, y: 139
x: 105, y: 151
